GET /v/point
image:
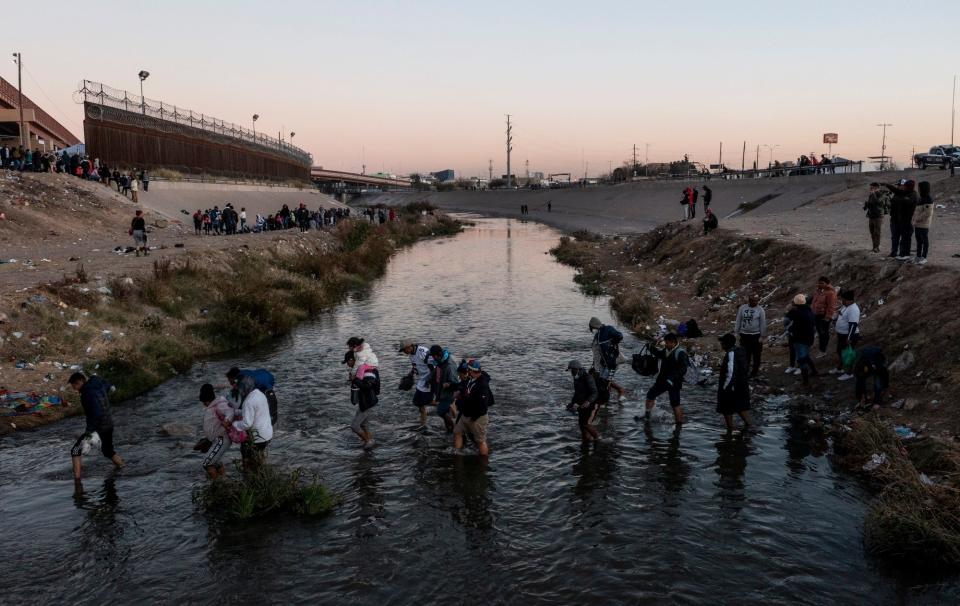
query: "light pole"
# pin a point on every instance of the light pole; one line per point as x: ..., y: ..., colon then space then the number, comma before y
x: 18, y: 59
x: 255, y: 118
x: 771, y: 148
x: 883, y: 146
x: 291, y: 137
x: 144, y: 74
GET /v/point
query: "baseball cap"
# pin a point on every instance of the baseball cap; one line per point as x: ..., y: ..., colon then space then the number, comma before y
x: 473, y: 364
x: 574, y: 365
x: 405, y: 344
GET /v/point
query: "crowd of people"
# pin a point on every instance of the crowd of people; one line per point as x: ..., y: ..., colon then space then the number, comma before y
x: 127, y: 182
x: 911, y: 215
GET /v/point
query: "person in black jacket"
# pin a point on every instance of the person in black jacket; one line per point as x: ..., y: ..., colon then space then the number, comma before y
x: 802, y: 330
x: 474, y: 399
x: 95, y: 400
x: 584, y: 400
x: 707, y: 197
x: 673, y: 367
x: 733, y: 391
x: 871, y: 363
x: 902, y: 205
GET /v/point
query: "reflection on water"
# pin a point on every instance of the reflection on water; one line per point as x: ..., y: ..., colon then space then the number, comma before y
x: 654, y: 516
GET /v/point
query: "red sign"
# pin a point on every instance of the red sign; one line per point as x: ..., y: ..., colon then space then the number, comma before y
x: 829, y: 137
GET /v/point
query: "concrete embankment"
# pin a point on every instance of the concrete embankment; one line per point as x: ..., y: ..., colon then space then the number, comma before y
x: 821, y: 211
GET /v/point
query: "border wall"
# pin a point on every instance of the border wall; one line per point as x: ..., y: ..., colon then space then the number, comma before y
x: 134, y: 132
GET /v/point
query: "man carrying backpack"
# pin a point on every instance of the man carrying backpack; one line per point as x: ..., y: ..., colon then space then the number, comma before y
x: 606, y: 350
x: 263, y: 381
x: 673, y: 367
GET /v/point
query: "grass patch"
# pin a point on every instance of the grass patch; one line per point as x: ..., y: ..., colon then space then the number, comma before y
x: 912, y: 524
x: 267, y: 491
x: 632, y: 308
x: 127, y: 370
x: 590, y: 283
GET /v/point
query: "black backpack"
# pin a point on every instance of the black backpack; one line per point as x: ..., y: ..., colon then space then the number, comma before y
x: 645, y: 363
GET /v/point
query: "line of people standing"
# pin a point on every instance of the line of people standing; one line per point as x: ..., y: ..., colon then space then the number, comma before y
x: 911, y: 215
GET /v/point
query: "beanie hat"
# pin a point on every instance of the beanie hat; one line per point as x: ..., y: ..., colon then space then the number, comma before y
x: 595, y: 323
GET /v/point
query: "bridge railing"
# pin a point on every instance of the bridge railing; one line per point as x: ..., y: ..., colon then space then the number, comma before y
x: 100, y: 94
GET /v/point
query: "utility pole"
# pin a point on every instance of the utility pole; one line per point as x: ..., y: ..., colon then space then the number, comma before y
x: 953, y: 108
x: 633, y: 172
x: 743, y: 158
x: 756, y: 164
x: 509, y: 148
x: 490, y: 171
x: 883, y: 146
x: 646, y: 161
x: 720, y: 162
x: 526, y: 165
x: 20, y: 95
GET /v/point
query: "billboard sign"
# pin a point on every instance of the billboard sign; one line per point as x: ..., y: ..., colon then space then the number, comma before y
x: 830, y: 138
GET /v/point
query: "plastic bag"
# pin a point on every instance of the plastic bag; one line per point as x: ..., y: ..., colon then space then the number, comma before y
x: 848, y: 356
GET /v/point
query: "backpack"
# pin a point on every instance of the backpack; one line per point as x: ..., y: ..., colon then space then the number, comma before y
x: 692, y: 374
x: 884, y: 195
x: 645, y: 363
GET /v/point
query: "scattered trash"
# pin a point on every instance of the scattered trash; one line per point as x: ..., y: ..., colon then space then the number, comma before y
x: 903, y: 432
x: 17, y: 334
x: 777, y: 400
x: 925, y: 480
x: 876, y: 460
x: 104, y: 290
x: 73, y: 323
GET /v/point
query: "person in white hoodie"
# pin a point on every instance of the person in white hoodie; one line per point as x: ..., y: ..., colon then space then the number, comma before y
x: 215, y: 442
x: 254, y: 418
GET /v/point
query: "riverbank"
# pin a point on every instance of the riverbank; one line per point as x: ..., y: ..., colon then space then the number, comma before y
x: 140, y: 320
x: 675, y: 273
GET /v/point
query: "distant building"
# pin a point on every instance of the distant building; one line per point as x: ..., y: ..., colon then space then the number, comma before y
x: 444, y: 175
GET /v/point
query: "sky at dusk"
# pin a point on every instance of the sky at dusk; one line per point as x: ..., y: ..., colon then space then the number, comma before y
x: 424, y: 86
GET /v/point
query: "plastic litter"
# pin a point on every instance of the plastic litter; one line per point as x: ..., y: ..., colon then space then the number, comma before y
x: 73, y: 323
x: 903, y: 432
x: 925, y: 480
x: 876, y: 460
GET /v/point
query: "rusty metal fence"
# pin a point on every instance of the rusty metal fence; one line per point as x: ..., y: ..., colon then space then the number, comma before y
x: 129, y: 130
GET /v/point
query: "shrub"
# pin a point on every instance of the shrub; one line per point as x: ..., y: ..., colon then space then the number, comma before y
x: 126, y: 370
x: 264, y: 492
x: 352, y: 234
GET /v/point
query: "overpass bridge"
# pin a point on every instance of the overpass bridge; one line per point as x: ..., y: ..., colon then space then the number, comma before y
x: 346, y: 181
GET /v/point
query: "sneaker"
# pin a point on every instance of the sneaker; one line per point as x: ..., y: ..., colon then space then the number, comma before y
x: 922, y: 261
x: 844, y: 377
x: 835, y: 371
x: 903, y: 258
x: 789, y: 370
x: 797, y: 371
x: 821, y: 355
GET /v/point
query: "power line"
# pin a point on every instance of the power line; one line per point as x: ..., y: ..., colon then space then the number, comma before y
x: 44, y: 93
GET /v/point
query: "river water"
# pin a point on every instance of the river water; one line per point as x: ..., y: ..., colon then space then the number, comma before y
x: 653, y: 517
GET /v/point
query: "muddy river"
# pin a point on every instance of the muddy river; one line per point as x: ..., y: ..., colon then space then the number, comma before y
x: 653, y: 517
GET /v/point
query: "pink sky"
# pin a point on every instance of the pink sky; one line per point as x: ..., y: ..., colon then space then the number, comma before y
x: 426, y: 86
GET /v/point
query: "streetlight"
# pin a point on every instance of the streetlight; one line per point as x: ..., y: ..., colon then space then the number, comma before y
x: 771, y: 148
x: 18, y: 59
x: 255, y: 118
x: 291, y: 138
x: 144, y: 74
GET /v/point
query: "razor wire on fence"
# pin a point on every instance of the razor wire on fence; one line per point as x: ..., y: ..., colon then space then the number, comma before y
x: 105, y: 96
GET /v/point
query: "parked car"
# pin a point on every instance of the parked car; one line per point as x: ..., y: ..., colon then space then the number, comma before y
x: 939, y: 155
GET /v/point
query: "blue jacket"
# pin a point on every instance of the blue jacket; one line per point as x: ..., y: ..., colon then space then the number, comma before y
x: 95, y: 399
